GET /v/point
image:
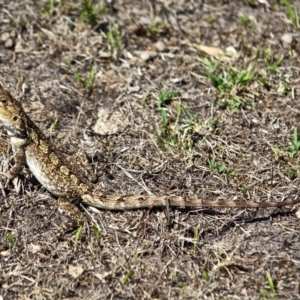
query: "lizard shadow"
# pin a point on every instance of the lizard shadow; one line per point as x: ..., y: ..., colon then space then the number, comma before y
x: 233, y: 222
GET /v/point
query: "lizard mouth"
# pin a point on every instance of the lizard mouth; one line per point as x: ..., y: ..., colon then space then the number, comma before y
x: 21, y: 134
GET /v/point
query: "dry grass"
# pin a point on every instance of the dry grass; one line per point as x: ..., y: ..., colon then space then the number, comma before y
x: 246, y: 151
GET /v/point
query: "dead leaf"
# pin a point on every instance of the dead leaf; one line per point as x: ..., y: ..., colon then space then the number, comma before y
x: 75, y: 271
x: 34, y: 248
x: 212, y: 51
x: 109, y: 122
x: 229, y: 54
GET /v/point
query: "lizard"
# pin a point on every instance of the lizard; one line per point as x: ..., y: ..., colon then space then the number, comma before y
x: 67, y: 182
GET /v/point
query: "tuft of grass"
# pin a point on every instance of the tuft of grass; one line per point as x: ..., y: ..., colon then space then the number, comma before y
x: 182, y: 285
x: 156, y: 28
x: 89, y: 13
x: 290, y: 173
x: 210, y: 19
x: 295, y: 144
x: 55, y: 124
x: 79, y: 78
x: 90, y: 79
x: 164, y: 132
x: 241, y: 153
x: 182, y: 128
x: 165, y: 97
x: 205, y: 275
x: 127, y: 276
x: 277, y: 151
x: 51, y: 5
x: 214, y: 166
x: 273, y: 67
x: 291, y: 151
x: 246, y: 22
x: 244, y: 190
x: 137, y: 255
x: 11, y: 239
x: 86, y: 85
x: 293, y: 13
x: 264, y: 294
x: 174, y: 132
x: 273, y: 64
x: 96, y: 232
x: 196, y: 238
x: 229, y: 81
x: 78, y: 234
x: 114, y: 41
x: 49, y: 9
x: 271, y: 284
x: 145, y: 98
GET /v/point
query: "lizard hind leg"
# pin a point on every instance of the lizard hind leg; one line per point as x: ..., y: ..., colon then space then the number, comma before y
x: 76, y: 218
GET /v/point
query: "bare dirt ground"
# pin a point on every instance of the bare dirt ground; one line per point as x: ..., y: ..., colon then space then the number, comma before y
x: 131, y: 83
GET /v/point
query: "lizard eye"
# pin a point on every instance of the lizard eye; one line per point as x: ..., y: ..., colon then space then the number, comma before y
x: 15, y: 118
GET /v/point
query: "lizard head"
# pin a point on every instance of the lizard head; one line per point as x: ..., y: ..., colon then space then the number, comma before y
x: 12, y: 115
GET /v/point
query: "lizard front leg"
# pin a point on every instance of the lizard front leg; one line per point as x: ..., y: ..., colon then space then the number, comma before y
x: 67, y: 204
x: 19, y: 157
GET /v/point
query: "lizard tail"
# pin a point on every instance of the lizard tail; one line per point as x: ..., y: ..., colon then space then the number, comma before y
x: 122, y: 202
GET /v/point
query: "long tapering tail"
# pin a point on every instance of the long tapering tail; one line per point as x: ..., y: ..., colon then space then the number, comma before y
x: 122, y: 202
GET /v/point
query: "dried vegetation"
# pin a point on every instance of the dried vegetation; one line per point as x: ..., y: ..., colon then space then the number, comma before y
x: 170, y: 98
